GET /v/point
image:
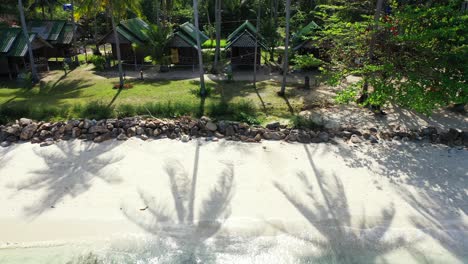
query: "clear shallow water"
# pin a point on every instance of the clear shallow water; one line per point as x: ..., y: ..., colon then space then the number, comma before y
x: 235, y: 250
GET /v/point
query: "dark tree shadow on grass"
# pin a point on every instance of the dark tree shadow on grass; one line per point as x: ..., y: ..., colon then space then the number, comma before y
x: 327, y: 210
x: 437, y: 191
x: 188, y: 235
x: 70, y: 171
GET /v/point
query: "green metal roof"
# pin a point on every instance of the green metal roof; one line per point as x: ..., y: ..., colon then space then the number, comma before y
x: 66, y: 35
x: 126, y: 34
x: 135, y: 26
x: 305, y: 31
x: 245, y: 26
x: 250, y: 38
x: 191, y: 32
x: 20, y: 47
x: 7, y: 38
x: 47, y: 29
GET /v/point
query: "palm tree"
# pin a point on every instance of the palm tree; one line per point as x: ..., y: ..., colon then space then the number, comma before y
x: 200, y: 57
x: 117, y: 9
x: 26, y: 36
x: 286, y: 47
x: 218, y: 4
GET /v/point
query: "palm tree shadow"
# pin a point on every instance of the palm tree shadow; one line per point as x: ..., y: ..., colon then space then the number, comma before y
x: 327, y: 210
x: 68, y: 172
x: 187, y: 233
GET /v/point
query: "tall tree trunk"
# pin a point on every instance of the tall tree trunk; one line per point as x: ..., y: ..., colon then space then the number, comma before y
x: 200, y: 57
x: 117, y: 47
x: 286, y: 49
x: 218, y: 4
x: 158, y: 12
x: 26, y: 35
x: 43, y: 13
x: 378, y: 9
x: 256, y: 47
x: 74, y: 32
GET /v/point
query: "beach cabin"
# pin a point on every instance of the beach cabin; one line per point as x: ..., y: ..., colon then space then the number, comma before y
x: 14, y: 51
x: 183, y: 44
x: 58, y: 33
x: 133, y: 36
x: 301, y: 42
x: 241, y: 44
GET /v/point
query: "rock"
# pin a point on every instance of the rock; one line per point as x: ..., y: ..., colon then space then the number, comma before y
x: 28, y: 131
x: 185, y: 138
x: 230, y: 131
x: 140, y: 131
x: 355, y: 139
x: 373, y: 139
x: 211, y: 126
x: 35, y: 140
x: 157, y: 132
x: 5, y: 144
x: 258, y: 138
x: 273, y: 135
x: 131, y: 131
x: 405, y: 139
x: 13, y: 130
x: 45, y: 134
x: 346, y: 134
x: 366, y: 136
x: 98, y: 129
x: 103, y: 137
x: 303, y: 137
x: 324, y: 136
x: 87, y: 123
x: 292, y: 137
x: 273, y: 126
x: 47, y: 142
x: 25, y: 121
x: 396, y: 138
x: 428, y: 131
x: 122, y: 136
x: 76, y: 132
x: 373, y: 130
x: 144, y: 137
x: 464, y: 138
x: 218, y: 135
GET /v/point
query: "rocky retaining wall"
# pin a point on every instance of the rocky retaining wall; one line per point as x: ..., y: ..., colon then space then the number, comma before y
x: 186, y: 128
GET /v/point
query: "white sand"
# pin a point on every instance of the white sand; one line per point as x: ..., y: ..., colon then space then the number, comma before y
x: 241, y: 203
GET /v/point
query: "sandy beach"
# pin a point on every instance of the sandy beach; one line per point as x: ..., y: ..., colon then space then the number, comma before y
x: 164, y: 201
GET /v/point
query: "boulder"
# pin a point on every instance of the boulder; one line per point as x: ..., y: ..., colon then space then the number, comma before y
x: 140, y: 131
x: 45, y: 134
x: 144, y: 137
x: 103, y: 137
x: 131, y: 131
x: 122, y: 136
x: 355, y: 139
x: 273, y: 135
x: 229, y: 131
x: 373, y: 139
x: 304, y: 137
x: 5, y: 144
x: 428, y: 131
x: 76, y: 132
x: 28, y: 131
x: 47, y: 142
x: 98, y: 129
x: 211, y: 126
x: 324, y: 136
x: 273, y: 126
x: 25, y: 121
x: 157, y: 132
x: 13, y: 130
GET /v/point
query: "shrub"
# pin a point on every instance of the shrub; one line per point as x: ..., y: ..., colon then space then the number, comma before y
x: 126, y: 110
x: 304, y: 122
x: 306, y: 62
x: 99, y: 62
x: 197, y: 91
x: 168, y: 109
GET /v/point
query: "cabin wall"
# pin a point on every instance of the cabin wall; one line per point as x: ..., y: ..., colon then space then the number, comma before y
x: 127, y: 53
x: 245, y: 56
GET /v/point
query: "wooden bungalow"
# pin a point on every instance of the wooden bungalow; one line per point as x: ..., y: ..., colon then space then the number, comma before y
x: 14, y: 51
x: 59, y: 33
x: 132, y: 34
x: 301, y: 42
x: 241, y: 44
x: 183, y: 44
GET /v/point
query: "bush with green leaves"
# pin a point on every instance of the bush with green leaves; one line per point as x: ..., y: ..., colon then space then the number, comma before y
x: 99, y: 62
x: 306, y: 62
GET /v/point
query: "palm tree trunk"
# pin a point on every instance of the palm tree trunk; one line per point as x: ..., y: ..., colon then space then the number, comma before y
x: 117, y: 47
x: 218, y: 34
x: 74, y: 32
x: 43, y: 13
x: 200, y: 57
x: 256, y: 47
x: 286, y: 49
x: 378, y: 9
x: 26, y: 36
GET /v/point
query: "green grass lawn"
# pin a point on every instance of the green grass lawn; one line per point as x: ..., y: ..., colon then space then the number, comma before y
x: 59, y: 96
x: 211, y: 44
